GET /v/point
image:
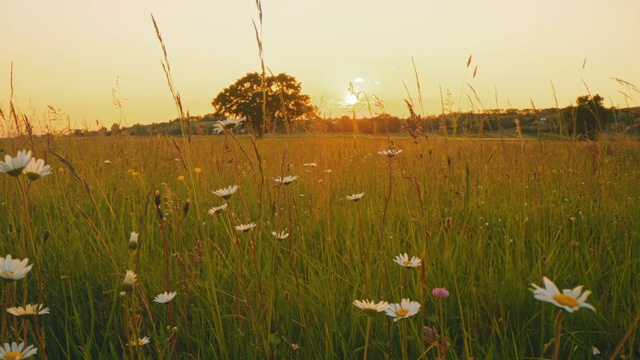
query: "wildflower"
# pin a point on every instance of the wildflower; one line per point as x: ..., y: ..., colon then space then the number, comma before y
x: 405, y: 309
x: 14, y: 166
x: 312, y: 164
x: 440, y: 293
x: 286, y: 180
x: 370, y: 307
x: 217, y: 209
x: 430, y: 335
x: 389, y: 153
x: 355, y: 197
x: 447, y: 223
x: 403, y: 260
x: 294, y: 347
x: 133, y: 240
x: 164, y: 297
x: 595, y: 350
x: 107, y: 162
x: 328, y: 171
x: 129, y: 281
x: 36, y: 169
x: 60, y: 170
x: 14, y: 269
x: 227, y: 124
x: 29, y: 311
x: 226, y: 193
x: 197, y: 170
x: 140, y: 342
x: 17, y: 352
x: 570, y: 300
x: 180, y: 178
x: 246, y: 227
x: 280, y: 236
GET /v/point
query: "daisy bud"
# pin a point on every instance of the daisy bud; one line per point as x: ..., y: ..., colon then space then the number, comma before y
x: 185, y: 209
x: 129, y: 281
x: 157, y: 197
x: 133, y: 241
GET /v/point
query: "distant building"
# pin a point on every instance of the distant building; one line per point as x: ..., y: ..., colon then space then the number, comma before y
x: 542, y: 122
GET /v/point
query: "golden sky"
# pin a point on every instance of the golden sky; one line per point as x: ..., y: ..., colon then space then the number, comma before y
x: 69, y: 54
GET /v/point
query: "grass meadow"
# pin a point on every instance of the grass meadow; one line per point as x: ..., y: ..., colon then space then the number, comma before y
x: 486, y: 218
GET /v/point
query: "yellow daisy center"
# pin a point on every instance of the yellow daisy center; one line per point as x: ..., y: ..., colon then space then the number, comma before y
x: 407, y: 263
x: 14, y: 355
x: 6, y: 272
x: 402, y: 312
x: 566, y: 300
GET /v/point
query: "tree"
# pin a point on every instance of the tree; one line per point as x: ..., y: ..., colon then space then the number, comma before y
x: 244, y: 98
x: 589, y: 116
x: 115, y: 129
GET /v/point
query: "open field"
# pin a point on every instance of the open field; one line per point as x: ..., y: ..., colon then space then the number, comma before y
x: 486, y: 219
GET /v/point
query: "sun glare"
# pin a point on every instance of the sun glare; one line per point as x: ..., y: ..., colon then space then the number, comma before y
x: 351, y: 99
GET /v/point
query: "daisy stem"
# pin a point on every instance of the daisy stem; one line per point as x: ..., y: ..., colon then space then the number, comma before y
x: 32, y: 245
x: 166, y: 265
x: 367, y: 337
x: 403, y: 340
x: 386, y: 204
x: 6, y: 293
x: 363, y: 253
x: 384, y: 217
x: 557, y: 328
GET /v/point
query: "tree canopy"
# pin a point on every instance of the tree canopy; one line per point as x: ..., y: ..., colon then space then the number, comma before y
x: 590, y: 115
x: 284, y: 100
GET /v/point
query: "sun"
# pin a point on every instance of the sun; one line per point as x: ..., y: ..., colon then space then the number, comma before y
x: 351, y: 99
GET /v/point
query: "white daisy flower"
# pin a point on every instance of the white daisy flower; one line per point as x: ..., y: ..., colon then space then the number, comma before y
x: 17, y: 351
x: 29, y: 311
x: 389, y: 153
x: 217, y: 209
x: 280, y: 236
x: 14, y: 166
x: 140, y: 342
x: 164, y: 297
x: 36, y: 169
x: 405, y: 309
x: 370, y: 307
x: 570, y: 300
x: 226, y: 193
x: 107, y: 162
x: 328, y: 171
x: 13, y: 269
x: 227, y: 124
x: 286, y: 180
x: 403, y: 260
x: 246, y: 227
x: 311, y: 164
x: 355, y: 197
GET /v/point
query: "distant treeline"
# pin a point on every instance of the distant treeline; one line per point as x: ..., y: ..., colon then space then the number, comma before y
x: 586, y: 119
